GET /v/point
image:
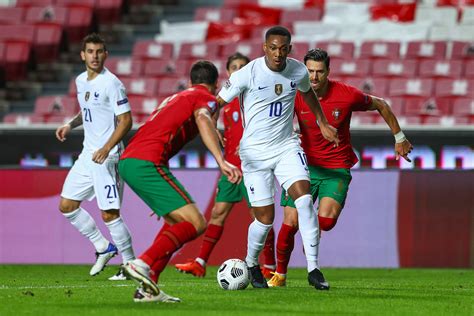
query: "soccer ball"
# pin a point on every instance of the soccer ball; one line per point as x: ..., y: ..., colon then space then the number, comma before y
x: 233, y: 275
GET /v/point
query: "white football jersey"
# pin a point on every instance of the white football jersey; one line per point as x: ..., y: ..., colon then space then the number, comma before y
x: 101, y: 100
x: 267, y: 103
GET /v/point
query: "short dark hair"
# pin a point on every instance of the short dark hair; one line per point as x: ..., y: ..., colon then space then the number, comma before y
x: 203, y: 71
x: 93, y: 38
x: 278, y: 30
x: 318, y: 54
x: 235, y: 57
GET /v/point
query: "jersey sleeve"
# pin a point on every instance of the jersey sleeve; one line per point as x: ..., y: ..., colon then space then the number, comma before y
x: 206, y: 102
x: 237, y: 83
x: 305, y: 84
x: 118, y: 98
x: 361, y: 101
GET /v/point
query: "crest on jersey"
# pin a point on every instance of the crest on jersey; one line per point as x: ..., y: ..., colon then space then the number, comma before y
x: 235, y: 116
x: 227, y: 84
x: 336, y: 113
x: 86, y: 97
x: 278, y: 88
x: 212, y: 105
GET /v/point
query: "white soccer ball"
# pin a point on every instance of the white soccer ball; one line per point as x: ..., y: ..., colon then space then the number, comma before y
x: 233, y: 275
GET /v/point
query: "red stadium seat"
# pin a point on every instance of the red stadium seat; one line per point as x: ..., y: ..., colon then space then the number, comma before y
x: 234, y: 3
x: 462, y: 50
x: 108, y: 11
x: 394, y: 68
x: 143, y: 105
x: 454, y: 88
x: 141, y: 87
x: 24, y: 33
x: 34, y: 3
x: 199, y: 51
x: 440, y: 68
x: 379, y: 49
x: 298, y: 50
x: 251, y: 49
x: 446, y: 121
x: 373, y: 86
x: 469, y: 69
x: 47, y: 14
x: 47, y: 41
x: 362, y: 118
x: 397, y: 105
x: 58, y: 118
x: 164, y: 68
x: 308, y: 14
x: 350, y: 68
x: 430, y: 50
x: 16, y: 57
x: 463, y: 107
x: 410, y: 87
x: 79, y: 22
x: 403, y: 120
x: 22, y: 119
x: 124, y: 67
x: 56, y: 105
x: 169, y: 86
x: 427, y: 107
x: 72, y: 91
x: 343, y: 50
x: 152, y: 50
x: 11, y: 15
x: 214, y: 14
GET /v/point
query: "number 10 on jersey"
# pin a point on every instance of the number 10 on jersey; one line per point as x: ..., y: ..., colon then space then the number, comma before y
x: 276, y: 108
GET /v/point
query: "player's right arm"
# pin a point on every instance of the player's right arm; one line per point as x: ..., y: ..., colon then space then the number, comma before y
x: 211, y: 140
x: 63, y: 130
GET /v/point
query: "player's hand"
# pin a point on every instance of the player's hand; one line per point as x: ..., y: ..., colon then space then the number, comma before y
x: 62, y: 131
x: 100, y: 155
x: 403, y: 149
x: 330, y: 133
x: 234, y: 175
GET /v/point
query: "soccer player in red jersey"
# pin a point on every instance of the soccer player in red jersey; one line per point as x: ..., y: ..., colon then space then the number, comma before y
x: 144, y: 167
x: 329, y: 166
x: 228, y: 193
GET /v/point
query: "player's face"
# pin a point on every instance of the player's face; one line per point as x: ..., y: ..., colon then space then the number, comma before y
x: 276, y: 49
x: 318, y: 74
x: 235, y: 65
x: 94, y: 56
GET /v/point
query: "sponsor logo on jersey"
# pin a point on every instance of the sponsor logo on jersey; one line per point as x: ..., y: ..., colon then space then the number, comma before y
x: 227, y: 84
x: 86, y: 97
x: 336, y: 113
x: 278, y: 88
x: 212, y: 105
x: 261, y: 88
x: 124, y: 101
x: 235, y: 116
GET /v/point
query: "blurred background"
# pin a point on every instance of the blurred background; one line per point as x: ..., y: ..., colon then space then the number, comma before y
x: 418, y: 55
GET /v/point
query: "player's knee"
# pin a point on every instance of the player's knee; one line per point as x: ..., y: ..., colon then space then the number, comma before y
x: 200, y: 225
x: 110, y: 215
x: 326, y: 223
x: 68, y: 206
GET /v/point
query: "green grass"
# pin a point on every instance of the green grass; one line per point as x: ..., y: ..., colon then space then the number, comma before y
x: 68, y: 290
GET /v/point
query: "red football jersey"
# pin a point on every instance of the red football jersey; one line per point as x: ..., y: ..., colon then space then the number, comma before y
x: 338, y: 105
x: 233, y: 130
x: 170, y: 126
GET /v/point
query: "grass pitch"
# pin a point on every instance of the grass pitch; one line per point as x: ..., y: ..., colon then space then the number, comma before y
x: 68, y: 290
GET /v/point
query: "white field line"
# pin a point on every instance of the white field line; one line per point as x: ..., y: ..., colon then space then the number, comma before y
x: 27, y: 287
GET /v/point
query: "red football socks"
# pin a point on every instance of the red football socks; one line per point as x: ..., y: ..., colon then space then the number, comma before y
x: 168, y: 241
x: 269, y: 249
x: 326, y: 223
x: 211, y: 237
x: 285, y: 244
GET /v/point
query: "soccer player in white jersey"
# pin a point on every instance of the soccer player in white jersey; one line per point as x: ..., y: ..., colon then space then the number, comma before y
x: 269, y: 147
x: 106, y: 118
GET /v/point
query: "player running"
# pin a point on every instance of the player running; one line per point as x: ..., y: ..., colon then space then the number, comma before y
x: 329, y: 167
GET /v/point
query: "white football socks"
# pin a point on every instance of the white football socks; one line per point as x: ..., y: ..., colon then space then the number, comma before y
x: 122, y: 239
x: 256, y: 240
x: 86, y: 225
x: 309, y: 229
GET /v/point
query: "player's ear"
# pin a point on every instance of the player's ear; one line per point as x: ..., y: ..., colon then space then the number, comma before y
x: 83, y: 55
x: 290, y: 47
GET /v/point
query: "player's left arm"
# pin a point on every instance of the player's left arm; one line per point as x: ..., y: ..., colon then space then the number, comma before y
x: 124, y: 124
x: 211, y: 140
x: 402, y: 145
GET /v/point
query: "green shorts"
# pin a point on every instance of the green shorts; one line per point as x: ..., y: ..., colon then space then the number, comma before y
x: 231, y: 192
x: 155, y: 185
x: 333, y: 183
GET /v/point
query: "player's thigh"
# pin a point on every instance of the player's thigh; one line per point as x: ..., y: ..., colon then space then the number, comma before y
x: 108, y: 186
x: 292, y: 167
x: 260, y: 186
x: 333, y: 190
x: 228, y: 192
x: 187, y: 213
x: 286, y: 199
x: 155, y: 185
x: 78, y: 185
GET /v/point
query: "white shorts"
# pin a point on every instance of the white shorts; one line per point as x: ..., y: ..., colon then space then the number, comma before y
x: 88, y: 179
x: 259, y: 175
